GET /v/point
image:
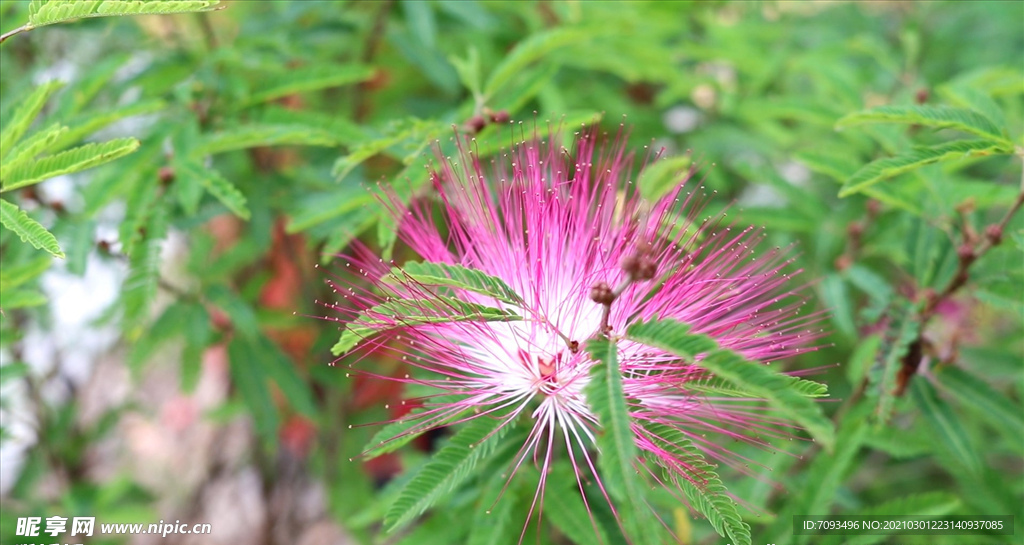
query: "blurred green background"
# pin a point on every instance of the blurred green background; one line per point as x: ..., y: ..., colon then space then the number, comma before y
x: 172, y: 364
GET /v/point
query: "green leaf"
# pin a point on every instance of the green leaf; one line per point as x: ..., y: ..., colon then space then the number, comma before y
x: 318, y: 208
x: 243, y: 318
x: 67, y: 162
x: 883, y: 169
x: 283, y: 372
x: 964, y: 95
x: 906, y: 334
x: 140, y: 285
x: 863, y: 358
x: 616, y: 444
x: 468, y: 70
x: 26, y: 111
x: 939, y: 117
x: 606, y: 397
x: 310, y: 79
x: 82, y: 126
x: 783, y: 392
x: 257, y: 135
x: 946, y: 426
x: 450, y: 467
x: 456, y: 276
x: 21, y: 298
x: 528, y: 51
x: 564, y: 507
x: 710, y: 497
x: 930, y: 504
x: 344, y: 131
x: 993, y: 406
x: 12, y: 371
x: 663, y: 175
x: 837, y: 300
x: 48, y: 12
x: 414, y: 312
x: 28, y: 229
x: 492, y: 525
x: 13, y: 275
x: 399, y: 433
x: 252, y: 385
x: 824, y: 477
x: 404, y: 139
x: 217, y: 185
x: 32, y: 146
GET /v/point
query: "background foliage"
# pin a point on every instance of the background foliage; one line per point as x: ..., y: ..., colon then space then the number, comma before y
x: 198, y: 167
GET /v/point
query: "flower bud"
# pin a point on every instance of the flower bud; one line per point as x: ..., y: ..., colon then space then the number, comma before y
x: 639, y: 267
x: 476, y: 123
x: 994, y: 234
x: 966, y: 253
x: 601, y: 293
x: 501, y: 116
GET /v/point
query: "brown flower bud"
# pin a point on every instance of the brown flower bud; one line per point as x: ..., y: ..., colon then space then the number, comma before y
x: 843, y: 262
x: 475, y: 124
x: 501, y: 116
x: 166, y: 175
x: 966, y: 253
x: 639, y: 267
x: 921, y: 96
x: 874, y: 207
x: 994, y: 234
x: 601, y: 293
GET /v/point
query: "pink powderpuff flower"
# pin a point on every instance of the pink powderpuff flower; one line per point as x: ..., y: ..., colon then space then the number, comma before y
x: 568, y: 232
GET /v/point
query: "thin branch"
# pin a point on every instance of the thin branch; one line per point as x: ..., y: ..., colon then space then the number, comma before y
x: 19, y: 30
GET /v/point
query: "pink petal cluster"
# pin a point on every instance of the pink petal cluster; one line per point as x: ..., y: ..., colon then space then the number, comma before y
x: 563, y: 228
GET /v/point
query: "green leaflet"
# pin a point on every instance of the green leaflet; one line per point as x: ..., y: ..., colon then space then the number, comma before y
x: 529, y: 50
x: 493, y: 525
x: 395, y: 435
x: 825, y: 476
x: 939, y: 117
x: 663, y: 175
x: 252, y: 385
x: 895, y: 351
x: 992, y: 405
x: 836, y: 296
x: 780, y: 391
x: 16, y: 274
x: 26, y: 111
x: 618, y: 450
x: 48, y: 12
x: 67, y: 162
x: 406, y: 313
x: 946, y: 426
x: 21, y: 298
x: 217, y: 185
x: 451, y: 466
x: 930, y: 504
x: 140, y: 285
x: 456, y: 276
x: 28, y: 229
x: 564, y: 507
x: 32, y: 146
x: 966, y: 96
x: 710, y: 497
x: 886, y: 168
x: 84, y: 125
x: 255, y: 135
x: 310, y: 79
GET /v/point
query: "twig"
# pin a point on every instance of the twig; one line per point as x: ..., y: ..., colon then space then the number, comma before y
x: 969, y: 252
x: 9, y: 33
